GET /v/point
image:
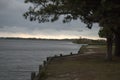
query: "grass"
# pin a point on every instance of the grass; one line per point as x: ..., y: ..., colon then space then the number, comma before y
x: 84, y: 67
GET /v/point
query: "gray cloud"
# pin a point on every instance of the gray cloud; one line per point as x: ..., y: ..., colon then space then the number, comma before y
x: 12, y: 22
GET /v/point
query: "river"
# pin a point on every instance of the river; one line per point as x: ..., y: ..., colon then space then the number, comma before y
x: 18, y: 58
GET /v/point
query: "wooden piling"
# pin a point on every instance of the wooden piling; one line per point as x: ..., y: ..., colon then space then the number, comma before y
x: 61, y: 55
x: 48, y: 58
x: 33, y: 75
x: 40, y: 68
x: 44, y: 63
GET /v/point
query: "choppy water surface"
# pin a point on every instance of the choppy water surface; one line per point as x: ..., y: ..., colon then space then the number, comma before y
x: 18, y: 58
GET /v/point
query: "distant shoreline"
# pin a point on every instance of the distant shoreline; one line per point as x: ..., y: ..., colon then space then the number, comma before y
x: 17, y: 38
x: 75, y: 40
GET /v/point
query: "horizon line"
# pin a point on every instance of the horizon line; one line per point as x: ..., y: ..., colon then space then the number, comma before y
x: 46, y: 38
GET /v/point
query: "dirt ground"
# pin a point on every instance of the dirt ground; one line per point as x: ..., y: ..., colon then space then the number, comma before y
x: 88, y: 66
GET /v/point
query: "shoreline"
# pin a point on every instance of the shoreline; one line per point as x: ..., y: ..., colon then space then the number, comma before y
x: 42, y: 67
x: 90, y: 65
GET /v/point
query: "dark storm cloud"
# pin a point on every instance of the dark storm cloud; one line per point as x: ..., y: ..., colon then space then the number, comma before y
x: 12, y: 21
x: 4, y: 4
x: 11, y: 12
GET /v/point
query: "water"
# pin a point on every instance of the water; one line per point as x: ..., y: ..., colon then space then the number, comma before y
x: 18, y: 58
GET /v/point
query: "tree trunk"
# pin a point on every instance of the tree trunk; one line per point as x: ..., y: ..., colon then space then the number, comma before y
x: 117, y: 45
x: 109, y: 48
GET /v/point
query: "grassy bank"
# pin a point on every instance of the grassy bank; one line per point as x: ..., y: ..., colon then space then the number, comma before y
x: 88, y: 66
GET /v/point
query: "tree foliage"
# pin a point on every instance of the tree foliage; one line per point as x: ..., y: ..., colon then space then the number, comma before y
x: 104, y: 12
x: 89, y: 11
x: 104, y: 32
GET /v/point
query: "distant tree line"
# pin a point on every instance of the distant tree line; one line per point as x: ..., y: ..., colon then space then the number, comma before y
x: 90, y: 41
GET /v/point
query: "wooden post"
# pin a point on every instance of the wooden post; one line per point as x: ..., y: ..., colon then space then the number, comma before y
x: 33, y: 75
x: 44, y: 62
x: 61, y: 55
x: 47, y: 58
x: 40, y: 68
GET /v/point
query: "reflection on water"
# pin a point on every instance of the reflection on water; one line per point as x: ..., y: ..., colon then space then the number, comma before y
x: 18, y: 58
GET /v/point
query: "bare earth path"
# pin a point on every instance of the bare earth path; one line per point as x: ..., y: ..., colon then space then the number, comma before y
x: 88, y: 66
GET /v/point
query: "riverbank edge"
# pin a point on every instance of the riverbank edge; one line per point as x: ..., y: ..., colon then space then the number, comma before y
x: 42, y: 68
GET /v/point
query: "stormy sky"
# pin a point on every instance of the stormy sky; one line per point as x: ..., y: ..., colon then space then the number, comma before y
x: 13, y: 24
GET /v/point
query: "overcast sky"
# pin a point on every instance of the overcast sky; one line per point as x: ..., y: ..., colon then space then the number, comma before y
x: 13, y: 24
